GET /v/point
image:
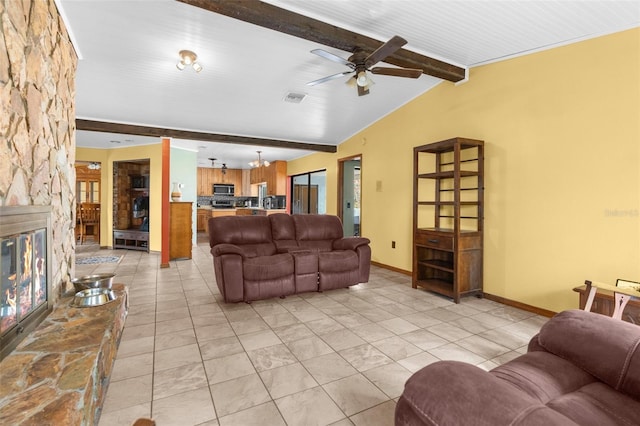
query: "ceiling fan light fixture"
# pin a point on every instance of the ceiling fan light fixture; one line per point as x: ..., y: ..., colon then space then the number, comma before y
x: 362, y: 79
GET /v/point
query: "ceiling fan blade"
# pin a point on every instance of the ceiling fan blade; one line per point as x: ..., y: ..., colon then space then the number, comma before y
x: 363, y: 91
x: 332, y: 57
x: 397, y: 72
x: 328, y: 78
x: 385, y: 50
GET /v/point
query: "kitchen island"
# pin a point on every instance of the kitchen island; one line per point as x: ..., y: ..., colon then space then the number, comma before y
x: 206, y: 212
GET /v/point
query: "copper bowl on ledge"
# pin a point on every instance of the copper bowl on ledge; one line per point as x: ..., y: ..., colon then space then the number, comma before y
x: 93, y: 297
x: 93, y: 281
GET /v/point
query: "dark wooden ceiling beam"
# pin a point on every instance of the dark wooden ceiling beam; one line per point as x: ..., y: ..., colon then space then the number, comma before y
x: 285, y: 21
x: 132, y: 129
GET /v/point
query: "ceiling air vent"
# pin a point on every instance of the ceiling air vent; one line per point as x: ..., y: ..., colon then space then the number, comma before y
x: 294, y: 98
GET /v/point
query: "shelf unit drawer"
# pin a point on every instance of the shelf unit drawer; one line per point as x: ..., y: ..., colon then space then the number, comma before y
x: 131, y: 235
x: 437, y: 241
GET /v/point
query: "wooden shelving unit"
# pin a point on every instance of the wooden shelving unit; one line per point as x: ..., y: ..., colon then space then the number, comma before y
x: 448, y: 217
x: 131, y: 180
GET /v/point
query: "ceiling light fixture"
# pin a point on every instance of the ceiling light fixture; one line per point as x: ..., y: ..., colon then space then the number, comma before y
x: 188, y: 57
x: 362, y: 79
x: 224, y: 167
x: 259, y: 162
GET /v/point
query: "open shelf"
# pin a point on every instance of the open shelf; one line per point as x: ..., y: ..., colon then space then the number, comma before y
x: 447, y: 250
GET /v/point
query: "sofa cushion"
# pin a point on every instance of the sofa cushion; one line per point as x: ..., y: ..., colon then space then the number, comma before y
x: 338, y: 261
x: 457, y: 393
x: 251, y: 233
x: 283, y: 232
x: 267, y: 267
x: 317, y: 227
x: 543, y: 376
x: 598, y: 404
x: 614, y: 358
x: 306, y: 268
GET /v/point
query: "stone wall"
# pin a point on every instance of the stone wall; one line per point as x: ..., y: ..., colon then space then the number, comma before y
x: 37, y: 121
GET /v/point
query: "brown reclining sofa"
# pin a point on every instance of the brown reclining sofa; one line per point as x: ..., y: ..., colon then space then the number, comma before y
x: 259, y: 257
x: 582, y: 368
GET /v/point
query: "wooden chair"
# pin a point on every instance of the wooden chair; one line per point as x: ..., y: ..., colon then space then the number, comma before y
x: 89, y: 221
x: 621, y: 296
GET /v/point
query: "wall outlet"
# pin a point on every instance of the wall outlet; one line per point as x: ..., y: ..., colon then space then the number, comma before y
x: 393, y: 244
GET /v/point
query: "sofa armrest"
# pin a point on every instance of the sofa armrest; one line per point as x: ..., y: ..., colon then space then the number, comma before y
x: 220, y: 249
x: 350, y: 243
x: 457, y: 393
x: 606, y: 348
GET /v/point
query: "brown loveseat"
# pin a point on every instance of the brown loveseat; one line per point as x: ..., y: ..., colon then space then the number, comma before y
x: 581, y: 369
x: 258, y: 257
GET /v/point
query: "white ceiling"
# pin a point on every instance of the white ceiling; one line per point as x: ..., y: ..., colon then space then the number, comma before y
x: 129, y: 50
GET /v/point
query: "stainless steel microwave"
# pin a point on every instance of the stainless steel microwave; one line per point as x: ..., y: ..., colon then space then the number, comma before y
x: 223, y: 189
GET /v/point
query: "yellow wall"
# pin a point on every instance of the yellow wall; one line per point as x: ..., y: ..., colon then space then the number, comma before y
x: 107, y: 158
x: 562, y: 160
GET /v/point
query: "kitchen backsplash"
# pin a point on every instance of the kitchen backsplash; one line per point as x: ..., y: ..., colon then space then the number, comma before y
x: 226, y: 200
x: 208, y: 200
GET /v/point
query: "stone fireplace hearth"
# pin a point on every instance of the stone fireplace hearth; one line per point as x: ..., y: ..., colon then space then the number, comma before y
x: 58, y: 375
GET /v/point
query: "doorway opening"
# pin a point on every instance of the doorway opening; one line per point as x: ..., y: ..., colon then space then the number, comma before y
x: 349, y: 200
x: 309, y: 193
x: 88, y: 195
x: 131, y: 185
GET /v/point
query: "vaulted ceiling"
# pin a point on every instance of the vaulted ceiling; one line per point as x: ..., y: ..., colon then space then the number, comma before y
x: 129, y: 49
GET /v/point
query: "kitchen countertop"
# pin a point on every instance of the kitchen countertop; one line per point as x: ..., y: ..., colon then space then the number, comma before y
x: 235, y: 208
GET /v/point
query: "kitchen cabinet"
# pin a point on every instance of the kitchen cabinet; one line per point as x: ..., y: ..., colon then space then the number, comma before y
x: 180, y: 234
x: 208, y: 176
x: 257, y: 174
x: 448, y: 217
x: 205, y: 180
x: 202, y: 217
x: 275, y: 176
x: 246, y: 182
x: 223, y: 212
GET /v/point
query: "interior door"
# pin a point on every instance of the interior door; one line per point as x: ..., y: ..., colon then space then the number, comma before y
x: 300, y: 194
x: 349, y: 195
x: 309, y: 193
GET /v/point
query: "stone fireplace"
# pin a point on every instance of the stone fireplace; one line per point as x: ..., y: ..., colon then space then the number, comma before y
x: 37, y: 124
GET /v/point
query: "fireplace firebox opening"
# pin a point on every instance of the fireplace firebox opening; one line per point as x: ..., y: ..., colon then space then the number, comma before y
x: 25, y: 272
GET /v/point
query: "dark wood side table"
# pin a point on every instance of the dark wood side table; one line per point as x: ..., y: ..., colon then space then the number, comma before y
x: 604, y: 304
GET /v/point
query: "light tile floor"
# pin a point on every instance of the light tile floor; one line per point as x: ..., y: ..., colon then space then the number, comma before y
x: 335, y: 358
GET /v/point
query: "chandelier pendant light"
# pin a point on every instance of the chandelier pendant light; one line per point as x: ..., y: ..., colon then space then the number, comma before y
x: 187, y: 57
x: 259, y: 162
